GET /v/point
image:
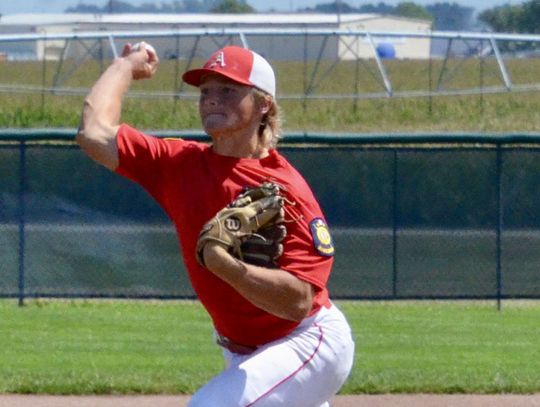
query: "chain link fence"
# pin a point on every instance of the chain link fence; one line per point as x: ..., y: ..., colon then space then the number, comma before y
x: 412, y: 216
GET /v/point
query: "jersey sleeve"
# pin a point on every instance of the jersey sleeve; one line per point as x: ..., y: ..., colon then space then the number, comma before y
x: 308, y: 247
x: 304, y: 261
x: 140, y: 158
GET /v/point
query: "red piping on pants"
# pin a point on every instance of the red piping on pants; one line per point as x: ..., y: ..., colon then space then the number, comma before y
x: 296, y: 371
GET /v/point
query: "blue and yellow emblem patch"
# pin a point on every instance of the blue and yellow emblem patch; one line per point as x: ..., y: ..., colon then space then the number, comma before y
x: 321, y: 237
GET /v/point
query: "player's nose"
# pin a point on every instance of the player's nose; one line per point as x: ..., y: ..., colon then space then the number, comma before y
x: 209, y: 100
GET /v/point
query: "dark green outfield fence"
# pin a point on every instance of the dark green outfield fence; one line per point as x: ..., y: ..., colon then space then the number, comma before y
x: 412, y: 216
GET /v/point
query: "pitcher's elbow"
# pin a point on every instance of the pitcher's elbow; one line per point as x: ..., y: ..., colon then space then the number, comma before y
x: 301, y: 311
x: 86, y: 135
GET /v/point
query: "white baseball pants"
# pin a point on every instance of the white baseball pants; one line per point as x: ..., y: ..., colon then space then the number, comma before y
x: 304, y: 369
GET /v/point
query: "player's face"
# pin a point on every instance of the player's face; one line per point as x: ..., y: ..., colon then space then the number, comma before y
x: 227, y: 107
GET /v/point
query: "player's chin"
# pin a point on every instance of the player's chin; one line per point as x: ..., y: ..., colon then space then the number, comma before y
x: 215, y: 124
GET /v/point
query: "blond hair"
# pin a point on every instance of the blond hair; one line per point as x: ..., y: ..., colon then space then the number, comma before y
x: 270, y: 128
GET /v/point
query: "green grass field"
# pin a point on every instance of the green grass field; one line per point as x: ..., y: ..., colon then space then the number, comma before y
x: 126, y: 347
x: 507, y: 112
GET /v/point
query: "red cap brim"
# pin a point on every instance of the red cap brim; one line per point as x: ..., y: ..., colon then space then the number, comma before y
x: 194, y: 77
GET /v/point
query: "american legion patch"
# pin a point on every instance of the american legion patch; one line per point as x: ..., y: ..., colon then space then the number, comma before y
x: 321, y: 237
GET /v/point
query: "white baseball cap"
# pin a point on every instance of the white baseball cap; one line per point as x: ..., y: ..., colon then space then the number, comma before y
x: 238, y: 64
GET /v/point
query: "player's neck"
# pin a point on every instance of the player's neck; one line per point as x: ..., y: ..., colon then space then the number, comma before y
x: 240, y: 146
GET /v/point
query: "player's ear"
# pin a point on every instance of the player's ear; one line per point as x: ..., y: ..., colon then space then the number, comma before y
x: 266, y: 104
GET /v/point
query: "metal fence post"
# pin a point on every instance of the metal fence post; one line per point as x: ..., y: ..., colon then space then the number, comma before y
x: 43, y: 77
x: 304, y: 99
x: 395, y: 224
x: 500, y: 210
x: 22, y: 220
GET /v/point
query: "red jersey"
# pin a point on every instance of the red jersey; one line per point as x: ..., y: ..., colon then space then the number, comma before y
x: 192, y: 183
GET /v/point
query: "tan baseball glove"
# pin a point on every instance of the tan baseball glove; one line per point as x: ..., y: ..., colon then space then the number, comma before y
x: 250, y: 227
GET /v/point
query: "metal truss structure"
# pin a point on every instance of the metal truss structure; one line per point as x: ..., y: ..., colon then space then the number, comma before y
x: 482, y: 46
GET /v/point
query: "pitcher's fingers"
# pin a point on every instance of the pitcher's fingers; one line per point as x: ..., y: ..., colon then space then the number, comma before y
x: 126, y: 50
x: 267, y: 202
x: 266, y: 216
x: 273, y: 232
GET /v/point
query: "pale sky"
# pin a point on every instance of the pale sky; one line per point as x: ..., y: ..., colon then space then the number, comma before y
x: 58, y: 6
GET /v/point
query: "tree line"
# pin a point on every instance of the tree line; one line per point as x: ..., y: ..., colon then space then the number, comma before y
x: 176, y: 6
x: 522, y: 18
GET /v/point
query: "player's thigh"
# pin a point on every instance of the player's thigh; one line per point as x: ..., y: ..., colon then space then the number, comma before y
x: 303, y: 370
x: 269, y: 378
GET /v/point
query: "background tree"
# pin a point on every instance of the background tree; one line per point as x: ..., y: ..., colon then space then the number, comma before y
x: 232, y: 6
x: 83, y: 8
x: 176, y: 6
x: 411, y: 10
x: 451, y: 16
x: 522, y: 18
x: 529, y: 18
x: 333, y: 8
x: 380, y: 8
x: 503, y: 19
x: 403, y: 9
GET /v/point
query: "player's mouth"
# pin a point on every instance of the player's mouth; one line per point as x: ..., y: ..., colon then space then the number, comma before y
x: 214, y: 115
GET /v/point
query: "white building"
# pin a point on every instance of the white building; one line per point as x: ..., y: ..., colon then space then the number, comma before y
x: 274, y: 46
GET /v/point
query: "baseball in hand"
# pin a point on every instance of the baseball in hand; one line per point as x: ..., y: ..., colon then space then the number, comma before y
x: 148, y: 68
x: 150, y: 49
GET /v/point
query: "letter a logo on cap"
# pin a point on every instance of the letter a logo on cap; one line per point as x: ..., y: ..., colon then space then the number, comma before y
x: 220, y: 60
x: 243, y: 66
